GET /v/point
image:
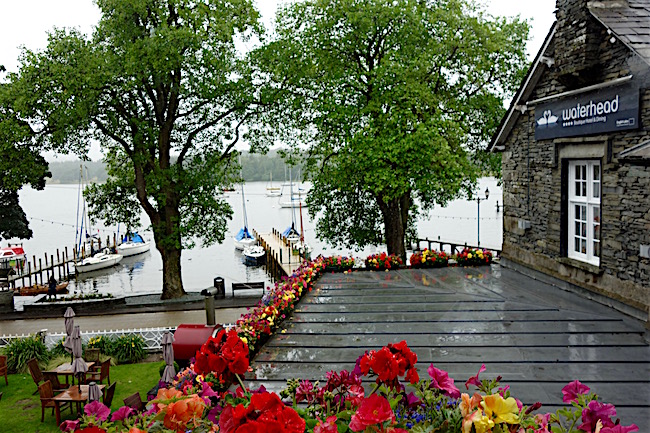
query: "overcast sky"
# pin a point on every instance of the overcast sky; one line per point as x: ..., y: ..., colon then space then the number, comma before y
x: 26, y: 22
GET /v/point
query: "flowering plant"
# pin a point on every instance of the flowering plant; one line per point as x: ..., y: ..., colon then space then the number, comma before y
x: 473, y: 257
x: 429, y: 259
x: 337, y: 264
x: 224, y: 357
x: 383, y: 261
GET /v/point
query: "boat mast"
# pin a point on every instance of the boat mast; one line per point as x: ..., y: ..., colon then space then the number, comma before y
x: 243, y: 200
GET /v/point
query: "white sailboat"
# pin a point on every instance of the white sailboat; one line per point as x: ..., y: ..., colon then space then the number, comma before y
x: 273, y: 191
x: 295, y: 199
x: 133, y: 244
x: 243, y: 238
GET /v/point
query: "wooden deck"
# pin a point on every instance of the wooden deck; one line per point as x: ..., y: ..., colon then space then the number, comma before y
x: 278, y: 253
x: 535, y: 335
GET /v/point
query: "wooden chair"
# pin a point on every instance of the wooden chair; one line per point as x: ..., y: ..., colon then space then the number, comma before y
x: 46, y: 394
x: 135, y: 402
x: 104, y: 373
x: 92, y: 355
x: 3, y: 367
x: 108, y: 394
x: 54, y: 380
x: 35, y: 371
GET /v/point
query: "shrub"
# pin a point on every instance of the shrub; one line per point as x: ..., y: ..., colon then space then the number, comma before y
x: 58, y: 349
x: 104, y: 343
x: 21, y: 350
x: 129, y: 348
x: 163, y: 365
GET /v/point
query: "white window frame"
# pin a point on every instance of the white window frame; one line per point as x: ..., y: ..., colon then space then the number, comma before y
x: 585, y: 212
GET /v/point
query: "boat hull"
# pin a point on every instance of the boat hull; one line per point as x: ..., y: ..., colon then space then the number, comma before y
x: 95, y: 263
x: 254, y: 256
x: 244, y: 243
x: 132, y: 248
x: 39, y: 289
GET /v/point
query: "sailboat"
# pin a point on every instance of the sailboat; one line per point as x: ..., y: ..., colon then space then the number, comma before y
x: 295, y: 200
x: 291, y: 233
x: 273, y: 191
x: 243, y: 238
x: 101, y: 260
x: 133, y: 244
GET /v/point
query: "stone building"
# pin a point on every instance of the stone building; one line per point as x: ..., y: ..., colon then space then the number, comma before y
x: 575, y: 144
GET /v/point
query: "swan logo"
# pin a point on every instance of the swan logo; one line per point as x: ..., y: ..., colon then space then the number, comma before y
x: 547, y: 118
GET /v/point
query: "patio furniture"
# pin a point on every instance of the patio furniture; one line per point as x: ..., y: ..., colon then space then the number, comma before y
x: 92, y: 354
x: 103, y: 373
x: 35, y: 372
x: 3, y: 367
x: 47, y: 400
x: 108, y: 394
x: 54, y: 380
x: 71, y: 395
x: 135, y: 402
x: 66, y: 370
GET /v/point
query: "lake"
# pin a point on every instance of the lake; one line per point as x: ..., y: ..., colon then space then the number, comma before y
x: 52, y: 214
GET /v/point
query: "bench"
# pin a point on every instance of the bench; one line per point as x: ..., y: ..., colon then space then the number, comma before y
x: 247, y: 286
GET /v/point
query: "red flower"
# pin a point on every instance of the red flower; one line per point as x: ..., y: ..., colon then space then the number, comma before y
x: 373, y: 410
x: 265, y: 413
x: 224, y: 356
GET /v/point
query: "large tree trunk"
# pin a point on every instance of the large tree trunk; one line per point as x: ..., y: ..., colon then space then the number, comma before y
x: 394, y: 225
x: 172, y: 282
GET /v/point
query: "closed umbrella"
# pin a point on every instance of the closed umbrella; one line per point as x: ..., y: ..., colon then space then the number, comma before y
x: 168, y: 355
x: 93, y: 392
x: 69, y: 326
x: 79, y: 366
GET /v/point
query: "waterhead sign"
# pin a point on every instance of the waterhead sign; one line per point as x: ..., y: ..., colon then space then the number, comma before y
x: 603, y: 110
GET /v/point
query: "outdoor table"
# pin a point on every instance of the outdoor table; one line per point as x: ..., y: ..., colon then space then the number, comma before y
x: 72, y: 395
x: 66, y: 370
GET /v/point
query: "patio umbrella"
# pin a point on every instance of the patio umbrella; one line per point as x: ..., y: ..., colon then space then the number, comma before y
x: 93, y: 392
x: 78, y: 364
x: 168, y: 355
x: 69, y: 326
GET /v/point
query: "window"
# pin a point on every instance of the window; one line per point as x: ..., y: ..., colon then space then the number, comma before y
x: 584, y: 211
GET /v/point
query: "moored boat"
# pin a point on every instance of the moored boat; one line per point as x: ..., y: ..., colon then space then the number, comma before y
x: 12, y: 257
x: 133, y: 244
x: 98, y: 261
x: 40, y: 289
x: 254, y: 255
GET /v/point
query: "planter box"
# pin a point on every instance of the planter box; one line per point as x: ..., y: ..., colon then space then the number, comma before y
x: 87, y: 306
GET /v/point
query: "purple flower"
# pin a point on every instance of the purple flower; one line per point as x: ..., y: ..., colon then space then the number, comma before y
x: 474, y: 379
x: 620, y: 429
x: 69, y: 425
x: 412, y: 400
x: 122, y: 413
x: 572, y: 389
x: 213, y: 415
x: 99, y: 410
x: 440, y: 379
x: 597, y: 411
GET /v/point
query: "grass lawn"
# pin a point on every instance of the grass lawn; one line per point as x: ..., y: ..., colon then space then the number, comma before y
x: 20, y: 411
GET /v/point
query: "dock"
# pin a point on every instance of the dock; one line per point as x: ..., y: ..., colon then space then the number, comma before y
x: 281, y: 259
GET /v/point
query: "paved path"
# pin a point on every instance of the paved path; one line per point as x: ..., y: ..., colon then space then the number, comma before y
x: 536, y: 336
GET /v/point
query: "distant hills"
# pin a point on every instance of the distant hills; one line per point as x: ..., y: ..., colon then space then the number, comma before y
x: 255, y: 168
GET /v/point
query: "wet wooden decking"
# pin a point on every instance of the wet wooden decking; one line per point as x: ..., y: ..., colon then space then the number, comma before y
x: 536, y: 336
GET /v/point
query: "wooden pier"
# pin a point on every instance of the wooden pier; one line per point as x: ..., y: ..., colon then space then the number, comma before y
x: 281, y: 261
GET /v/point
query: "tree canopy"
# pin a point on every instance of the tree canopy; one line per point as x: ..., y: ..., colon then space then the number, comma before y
x: 161, y: 86
x: 395, y: 100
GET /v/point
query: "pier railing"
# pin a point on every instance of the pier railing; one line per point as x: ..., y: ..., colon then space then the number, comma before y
x: 447, y: 246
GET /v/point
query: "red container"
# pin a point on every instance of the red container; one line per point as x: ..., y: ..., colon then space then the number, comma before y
x: 189, y: 338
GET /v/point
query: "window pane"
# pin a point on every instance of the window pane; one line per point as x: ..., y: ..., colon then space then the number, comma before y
x: 597, y: 172
x: 596, y: 189
x: 576, y: 245
x: 596, y: 249
x: 583, y: 246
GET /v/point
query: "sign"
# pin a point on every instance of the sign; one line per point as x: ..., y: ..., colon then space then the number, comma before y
x: 603, y: 110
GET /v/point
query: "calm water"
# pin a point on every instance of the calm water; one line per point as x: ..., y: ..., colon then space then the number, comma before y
x: 52, y: 214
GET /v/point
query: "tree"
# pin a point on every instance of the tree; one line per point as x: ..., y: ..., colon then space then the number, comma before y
x: 20, y: 165
x: 161, y: 86
x: 395, y: 99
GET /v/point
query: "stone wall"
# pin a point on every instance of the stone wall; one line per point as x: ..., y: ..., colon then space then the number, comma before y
x: 532, y: 179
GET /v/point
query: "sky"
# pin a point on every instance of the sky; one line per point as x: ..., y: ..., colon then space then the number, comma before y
x: 27, y: 22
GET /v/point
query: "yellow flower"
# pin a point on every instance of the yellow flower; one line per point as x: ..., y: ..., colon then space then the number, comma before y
x: 483, y: 424
x: 469, y: 255
x: 244, y: 339
x: 502, y: 410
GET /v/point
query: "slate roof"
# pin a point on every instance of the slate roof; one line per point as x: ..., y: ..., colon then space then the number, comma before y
x: 628, y: 20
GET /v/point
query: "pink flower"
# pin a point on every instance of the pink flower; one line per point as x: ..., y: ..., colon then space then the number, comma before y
x: 474, y: 379
x: 597, y: 411
x: 99, y: 410
x: 440, y: 379
x: 572, y: 389
x: 620, y: 429
x: 122, y: 413
x: 373, y: 410
x: 329, y: 426
x: 69, y: 425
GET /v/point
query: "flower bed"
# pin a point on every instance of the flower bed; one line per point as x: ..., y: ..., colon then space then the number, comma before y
x: 399, y: 401
x: 383, y: 261
x: 337, y: 264
x: 429, y: 259
x: 473, y: 257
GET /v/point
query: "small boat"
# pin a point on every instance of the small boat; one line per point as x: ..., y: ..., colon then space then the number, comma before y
x: 273, y: 191
x: 243, y: 239
x: 98, y: 261
x: 13, y: 257
x: 254, y: 255
x: 291, y: 234
x: 40, y: 289
x: 133, y: 244
x: 293, y: 202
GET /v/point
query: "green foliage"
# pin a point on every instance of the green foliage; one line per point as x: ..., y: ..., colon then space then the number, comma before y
x: 129, y: 348
x: 396, y: 100
x: 21, y: 350
x: 163, y: 365
x: 106, y: 345
x: 58, y: 349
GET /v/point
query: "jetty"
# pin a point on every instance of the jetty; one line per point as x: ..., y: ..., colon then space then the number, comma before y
x: 281, y: 258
